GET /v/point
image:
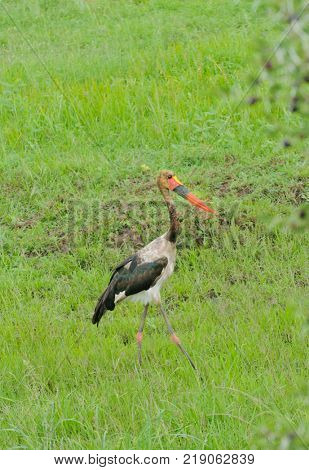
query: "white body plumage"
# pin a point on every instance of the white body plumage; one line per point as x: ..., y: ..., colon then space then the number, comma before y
x: 158, y: 248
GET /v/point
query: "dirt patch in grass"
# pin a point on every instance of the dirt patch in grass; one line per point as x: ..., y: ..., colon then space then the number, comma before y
x: 126, y: 236
x: 241, y: 278
x: 245, y: 222
x: 53, y: 243
x: 141, y: 184
x: 213, y: 294
x: 36, y: 252
x: 275, y: 162
x: 300, y: 279
x: 224, y: 187
x: 297, y: 192
x: 229, y: 159
x: 244, y: 190
x: 24, y: 224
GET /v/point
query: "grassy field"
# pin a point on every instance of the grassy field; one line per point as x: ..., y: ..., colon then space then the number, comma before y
x: 95, y: 98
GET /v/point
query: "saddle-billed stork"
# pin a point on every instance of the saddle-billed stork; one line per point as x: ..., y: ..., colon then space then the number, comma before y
x: 140, y: 276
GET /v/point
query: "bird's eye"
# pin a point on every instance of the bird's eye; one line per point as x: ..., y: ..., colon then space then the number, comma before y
x: 170, y: 176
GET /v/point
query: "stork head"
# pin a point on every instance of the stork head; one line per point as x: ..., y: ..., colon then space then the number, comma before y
x: 168, y: 181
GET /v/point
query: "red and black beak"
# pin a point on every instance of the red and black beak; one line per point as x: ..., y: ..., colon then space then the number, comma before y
x: 175, y: 185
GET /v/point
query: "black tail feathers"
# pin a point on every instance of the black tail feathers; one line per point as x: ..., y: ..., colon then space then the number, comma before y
x: 105, y: 302
x: 100, y: 309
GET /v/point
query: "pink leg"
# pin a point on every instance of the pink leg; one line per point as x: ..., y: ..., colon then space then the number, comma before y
x: 139, y: 335
x: 175, y: 338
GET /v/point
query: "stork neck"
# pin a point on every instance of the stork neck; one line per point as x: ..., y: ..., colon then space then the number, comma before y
x: 174, y: 220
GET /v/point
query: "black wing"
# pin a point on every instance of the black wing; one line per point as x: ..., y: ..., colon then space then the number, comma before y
x: 130, y: 280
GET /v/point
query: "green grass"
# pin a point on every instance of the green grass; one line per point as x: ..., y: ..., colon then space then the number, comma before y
x: 139, y: 86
